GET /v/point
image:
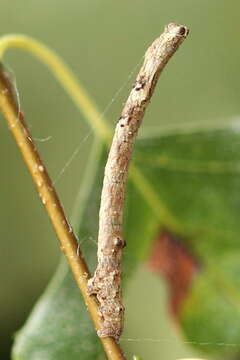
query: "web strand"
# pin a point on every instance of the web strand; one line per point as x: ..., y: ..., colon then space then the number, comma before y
x: 172, y: 341
x: 106, y: 109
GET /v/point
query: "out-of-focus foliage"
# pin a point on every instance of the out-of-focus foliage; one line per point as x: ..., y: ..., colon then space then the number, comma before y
x: 197, y: 174
x: 194, y: 174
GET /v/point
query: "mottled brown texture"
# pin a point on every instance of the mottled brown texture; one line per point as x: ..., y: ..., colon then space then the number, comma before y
x: 106, y: 283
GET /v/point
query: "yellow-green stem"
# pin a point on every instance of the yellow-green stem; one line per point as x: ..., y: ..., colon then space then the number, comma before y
x: 64, y: 75
x: 84, y: 103
x: 49, y: 197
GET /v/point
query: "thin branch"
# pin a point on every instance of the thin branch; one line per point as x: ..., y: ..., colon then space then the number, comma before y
x: 106, y: 283
x: 82, y: 100
x: 64, y: 75
x: 52, y: 204
x: 93, y: 116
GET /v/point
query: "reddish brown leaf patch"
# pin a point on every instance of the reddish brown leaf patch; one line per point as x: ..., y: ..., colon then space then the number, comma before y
x: 171, y: 258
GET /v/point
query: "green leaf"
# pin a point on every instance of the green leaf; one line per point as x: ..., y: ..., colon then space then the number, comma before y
x: 187, y: 183
x: 210, y: 314
x: 198, y: 175
x: 59, y: 326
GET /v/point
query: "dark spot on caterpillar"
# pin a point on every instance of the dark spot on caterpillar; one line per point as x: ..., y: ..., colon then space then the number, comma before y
x: 183, y: 31
x: 120, y: 242
x: 140, y: 84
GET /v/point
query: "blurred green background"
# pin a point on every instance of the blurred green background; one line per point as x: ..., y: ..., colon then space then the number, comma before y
x: 103, y: 42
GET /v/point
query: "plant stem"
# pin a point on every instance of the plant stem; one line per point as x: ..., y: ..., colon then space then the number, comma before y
x: 106, y: 283
x: 85, y: 104
x: 52, y: 204
x: 49, y: 197
x: 64, y: 75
